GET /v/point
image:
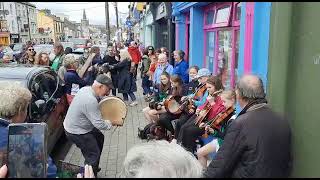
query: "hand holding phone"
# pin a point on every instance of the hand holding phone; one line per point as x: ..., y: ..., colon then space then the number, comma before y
x: 27, y: 150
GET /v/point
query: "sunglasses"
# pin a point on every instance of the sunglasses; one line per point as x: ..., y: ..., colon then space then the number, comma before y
x: 150, y: 49
x: 30, y: 49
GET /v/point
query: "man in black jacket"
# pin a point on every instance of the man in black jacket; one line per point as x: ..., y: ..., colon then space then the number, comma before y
x: 110, y: 58
x: 258, y: 142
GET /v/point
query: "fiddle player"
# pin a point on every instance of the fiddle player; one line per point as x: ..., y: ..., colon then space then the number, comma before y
x: 198, y: 98
x: 176, y: 91
x: 83, y: 121
x: 190, y: 131
x: 228, y: 98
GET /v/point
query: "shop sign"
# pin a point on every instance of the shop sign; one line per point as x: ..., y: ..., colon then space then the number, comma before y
x: 161, y: 11
x: 14, y: 36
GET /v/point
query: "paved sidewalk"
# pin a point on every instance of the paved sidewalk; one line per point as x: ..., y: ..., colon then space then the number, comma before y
x: 117, y: 140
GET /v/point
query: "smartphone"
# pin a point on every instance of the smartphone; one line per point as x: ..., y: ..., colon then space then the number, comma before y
x: 27, y: 150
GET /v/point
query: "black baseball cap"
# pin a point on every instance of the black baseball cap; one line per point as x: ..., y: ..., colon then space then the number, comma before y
x: 105, y: 80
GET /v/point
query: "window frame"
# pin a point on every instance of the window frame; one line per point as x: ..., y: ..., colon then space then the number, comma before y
x: 235, y: 22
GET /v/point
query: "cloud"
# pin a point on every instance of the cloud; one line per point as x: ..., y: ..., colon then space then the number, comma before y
x: 95, y: 11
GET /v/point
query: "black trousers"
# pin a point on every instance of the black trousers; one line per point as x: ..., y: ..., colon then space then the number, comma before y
x: 189, y: 133
x: 165, y: 121
x: 135, y: 71
x: 91, y: 145
x: 184, y: 117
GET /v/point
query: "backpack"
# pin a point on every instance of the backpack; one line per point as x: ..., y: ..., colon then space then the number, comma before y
x: 143, y: 134
x: 152, y: 131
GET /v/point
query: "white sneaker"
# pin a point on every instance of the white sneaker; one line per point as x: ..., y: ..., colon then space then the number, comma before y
x: 134, y: 103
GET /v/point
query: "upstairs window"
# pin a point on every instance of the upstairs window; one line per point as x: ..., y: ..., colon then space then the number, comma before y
x: 223, y: 15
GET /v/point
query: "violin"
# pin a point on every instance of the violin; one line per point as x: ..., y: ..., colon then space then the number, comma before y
x: 217, y: 121
x: 207, y: 107
x: 200, y: 91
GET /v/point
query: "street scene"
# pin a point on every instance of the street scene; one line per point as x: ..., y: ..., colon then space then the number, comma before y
x: 159, y: 89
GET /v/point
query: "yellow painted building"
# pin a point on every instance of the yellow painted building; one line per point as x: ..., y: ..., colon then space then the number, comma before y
x: 51, y: 24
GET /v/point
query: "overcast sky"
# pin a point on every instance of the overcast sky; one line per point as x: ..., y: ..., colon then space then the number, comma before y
x: 95, y: 11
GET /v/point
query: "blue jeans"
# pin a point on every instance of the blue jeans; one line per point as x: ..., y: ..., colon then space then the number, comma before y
x: 146, y: 85
x: 131, y: 94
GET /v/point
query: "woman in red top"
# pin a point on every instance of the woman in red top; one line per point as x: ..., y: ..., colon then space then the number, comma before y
x: 190, y: 132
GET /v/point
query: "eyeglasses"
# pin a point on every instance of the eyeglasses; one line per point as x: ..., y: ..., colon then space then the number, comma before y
x: 30, y: 49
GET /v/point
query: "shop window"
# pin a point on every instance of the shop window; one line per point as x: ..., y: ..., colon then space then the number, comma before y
x: 209, y: 17
x: 210, y: 50
x: 222, y: 41
x: 224, y: 57
x: 223, y: 15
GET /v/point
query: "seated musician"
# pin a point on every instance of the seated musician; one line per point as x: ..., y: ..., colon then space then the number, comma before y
x: 177, y: 91
x: 197, y: 99
x: 193, y: 81
x: 152, y: 114
x: 228, y: 98
x: 190, y: 131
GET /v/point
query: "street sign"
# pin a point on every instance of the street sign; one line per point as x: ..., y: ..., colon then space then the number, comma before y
x: 129, y: 23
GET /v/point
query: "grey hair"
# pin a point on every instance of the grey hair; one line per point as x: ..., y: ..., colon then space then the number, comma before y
x: 180, y: 53
x: 14, y: 99
x: 250, y: 87
x: 160, y: 159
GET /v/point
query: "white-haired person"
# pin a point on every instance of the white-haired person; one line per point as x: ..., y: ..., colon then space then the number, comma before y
x: 160, y: 159
x: 72, y: 80
x: 126, y: 82
x: 83, y: 121
x: 13, y: 109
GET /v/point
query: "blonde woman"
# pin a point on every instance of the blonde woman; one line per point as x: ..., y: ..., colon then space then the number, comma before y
x: 126, y: 83
x: 228, y: 98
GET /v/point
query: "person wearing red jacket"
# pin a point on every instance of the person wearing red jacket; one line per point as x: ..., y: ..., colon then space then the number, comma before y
x: 135, y: 54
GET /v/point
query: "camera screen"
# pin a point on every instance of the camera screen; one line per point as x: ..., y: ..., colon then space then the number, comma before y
x: 27, y: 151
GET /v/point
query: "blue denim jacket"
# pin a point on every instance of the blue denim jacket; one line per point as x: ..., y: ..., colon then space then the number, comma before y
x: 181, y: 69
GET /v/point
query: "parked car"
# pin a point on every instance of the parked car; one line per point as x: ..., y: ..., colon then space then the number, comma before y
x: 78, y: 42
x: 48, y: 104
x: 17, y: 50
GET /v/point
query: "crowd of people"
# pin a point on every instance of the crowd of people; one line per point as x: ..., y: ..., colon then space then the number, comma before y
x: 253, y: 143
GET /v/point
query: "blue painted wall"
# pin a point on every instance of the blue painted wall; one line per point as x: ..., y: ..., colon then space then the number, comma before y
x: 242, y: 34
x: 260, y: 46
x: 241, y: 48
x: 181, y: 21
x: 196, y: 39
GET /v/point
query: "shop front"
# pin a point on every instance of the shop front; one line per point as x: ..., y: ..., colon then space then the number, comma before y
x: 224, y: 37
